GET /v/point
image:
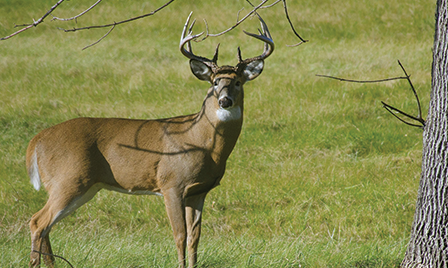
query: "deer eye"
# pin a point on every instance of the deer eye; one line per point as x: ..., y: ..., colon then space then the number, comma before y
x: 216, y: 82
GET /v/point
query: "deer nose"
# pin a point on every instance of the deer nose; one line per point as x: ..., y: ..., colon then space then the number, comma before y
x: 225, y: 102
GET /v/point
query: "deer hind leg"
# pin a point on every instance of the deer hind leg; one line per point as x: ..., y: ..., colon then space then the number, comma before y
x: 193, y: 217
x: 58, y: 206
x: 40, y: 242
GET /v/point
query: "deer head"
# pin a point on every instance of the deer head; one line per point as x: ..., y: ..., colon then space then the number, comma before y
x: 227, y: 81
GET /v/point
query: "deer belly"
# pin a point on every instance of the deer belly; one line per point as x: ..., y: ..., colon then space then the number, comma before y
x: 129, y: 191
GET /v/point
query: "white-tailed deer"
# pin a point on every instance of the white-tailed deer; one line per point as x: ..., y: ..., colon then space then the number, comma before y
x: 180, y: 158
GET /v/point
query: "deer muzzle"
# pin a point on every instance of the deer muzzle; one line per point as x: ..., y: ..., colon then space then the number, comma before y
x: 225, y: 102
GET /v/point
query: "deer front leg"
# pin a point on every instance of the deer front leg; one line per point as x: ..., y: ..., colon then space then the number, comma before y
x: 175, y: 207
x: 193, y: 217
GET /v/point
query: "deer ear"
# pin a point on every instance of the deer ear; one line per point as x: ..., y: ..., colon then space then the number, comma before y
x: 200, y: 70
x: 253, y: 69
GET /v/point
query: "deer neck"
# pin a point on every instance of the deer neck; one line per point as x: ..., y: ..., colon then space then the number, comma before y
x: 219, y: 127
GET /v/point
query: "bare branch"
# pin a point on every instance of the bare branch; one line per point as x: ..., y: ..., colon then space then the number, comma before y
x: 386, y: 106
x: 413, y: 90
x: 271, y: 5
x: 289, y: 20
x: 236, y: 24
x: 390, y: 109
x: 79, y: 15
x: 292, y: 27
x: 120, y: 22
x: 114, y: 24
x: 35, y: 23
x: 99, y: 40
x: 419, y: 118
x: 361, y: 81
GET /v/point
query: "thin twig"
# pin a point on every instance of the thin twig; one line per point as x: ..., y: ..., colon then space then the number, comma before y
x: 390, y: 109
x: 35, y: 23
x: 386, y: 106
x: 236, y: 24
x: 60, y: 257
x: 289, y: 21
x: 413, y: 90
x: 79, y: 15
x: 238, y: 14
x: 361, y: 81
x: 99, y: 40
x: 292, y: 27
x: 120, y: 22
x: 271, y: 5
x: 419, y: 118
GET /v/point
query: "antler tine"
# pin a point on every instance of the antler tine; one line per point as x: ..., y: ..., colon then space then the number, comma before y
x: 239, y: 55
x: 264, y: 36
x: 190, y: 31
x: 186, y: 39
x: 265, y: 28
x: 215, y: 57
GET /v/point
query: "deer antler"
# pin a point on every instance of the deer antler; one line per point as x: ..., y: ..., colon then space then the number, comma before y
x: 186, y: 39
x: 264, y: 36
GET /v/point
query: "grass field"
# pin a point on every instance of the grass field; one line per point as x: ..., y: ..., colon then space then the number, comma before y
x: 322, y: 175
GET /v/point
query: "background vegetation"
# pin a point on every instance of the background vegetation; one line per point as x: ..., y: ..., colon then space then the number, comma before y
x: 322, y: 176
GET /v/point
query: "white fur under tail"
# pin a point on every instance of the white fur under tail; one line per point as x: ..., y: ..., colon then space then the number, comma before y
x: 33, y: 172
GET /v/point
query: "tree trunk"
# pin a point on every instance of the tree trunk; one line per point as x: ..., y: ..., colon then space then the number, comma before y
x: 428, y: 246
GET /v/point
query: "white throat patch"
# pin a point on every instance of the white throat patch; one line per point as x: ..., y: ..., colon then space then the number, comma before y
x: 231, y: 114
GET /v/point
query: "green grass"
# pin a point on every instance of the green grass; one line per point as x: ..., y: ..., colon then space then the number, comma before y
x: 322, y: 175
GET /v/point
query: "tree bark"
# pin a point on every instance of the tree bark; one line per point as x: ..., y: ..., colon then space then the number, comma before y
x: 428, y: 246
